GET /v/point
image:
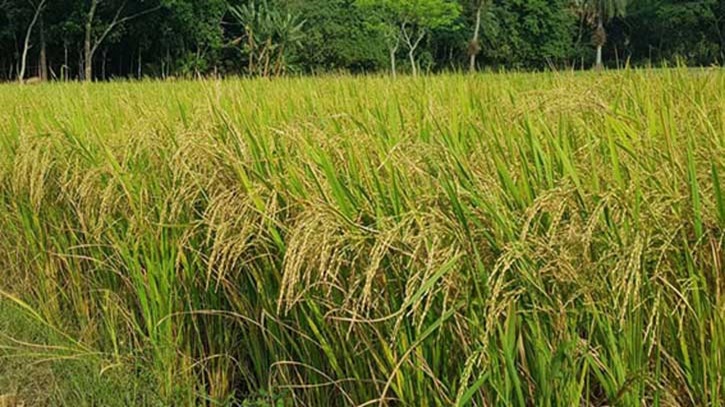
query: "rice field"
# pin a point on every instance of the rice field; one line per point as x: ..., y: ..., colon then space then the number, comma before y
x: 551, y: 239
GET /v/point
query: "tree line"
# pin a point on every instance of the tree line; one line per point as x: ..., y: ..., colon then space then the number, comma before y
x: 104, y: 39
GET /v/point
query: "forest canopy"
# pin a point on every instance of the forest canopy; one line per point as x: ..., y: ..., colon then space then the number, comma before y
x: 104, y: 39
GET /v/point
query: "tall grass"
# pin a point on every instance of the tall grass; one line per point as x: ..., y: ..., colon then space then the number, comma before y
x: 519, y: 239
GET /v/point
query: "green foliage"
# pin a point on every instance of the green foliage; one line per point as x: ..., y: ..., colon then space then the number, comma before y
x: 191, y: 34
x: 201, y: 37
x: 528, y: 33
x: 691, y: 31
x: 338, y: 36
x: 415, y: 16
x: 410, y: 21
x: 601, y: 10
x: 269, y: 36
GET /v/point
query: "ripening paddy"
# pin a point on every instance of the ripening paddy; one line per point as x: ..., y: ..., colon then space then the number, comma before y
x: 498, y: 239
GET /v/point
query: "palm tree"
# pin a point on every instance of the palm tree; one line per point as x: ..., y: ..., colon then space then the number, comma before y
x: 270, y: 36
x: 289, y: 35
x: 597, y: 13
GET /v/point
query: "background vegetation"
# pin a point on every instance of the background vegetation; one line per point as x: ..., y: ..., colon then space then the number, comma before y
x: 519, y: 239
x: 102, y: 39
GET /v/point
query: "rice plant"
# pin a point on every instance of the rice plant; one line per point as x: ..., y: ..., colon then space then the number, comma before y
x: 500, y: 239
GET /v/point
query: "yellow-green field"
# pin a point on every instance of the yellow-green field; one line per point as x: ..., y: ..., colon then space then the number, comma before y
x: 503, y: 239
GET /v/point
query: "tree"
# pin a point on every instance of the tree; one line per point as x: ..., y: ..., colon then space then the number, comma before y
x: 43, y: 58
x: 597, y: 13
x: 419, y: 17
x: 409, y: 21
x: 192, y: 36
x: 670, y: 30
x: 91, y: 42
x: 383, y: 19
x: 37, y: 8
x: 474, y: 46
x: 523, y: 34
x: 338, y: 35
x: 68, y: 38
x: 269, y: 34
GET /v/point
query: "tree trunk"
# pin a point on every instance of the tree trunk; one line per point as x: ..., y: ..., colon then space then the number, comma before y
x: 474, y: 47
x: 280, y: 62
x: 167, y: 64
x: 251, y: 69
x: 411, y: 57
x: 103, y: 64
x: 43, y: 52
x: 26, y: 43
x: 600, y: 38
x: 412, y: 46
x: 392, y: 62
x: 64, y: 71
x: 87, y: 46
x: 599, y: 63
x: 64, y: 66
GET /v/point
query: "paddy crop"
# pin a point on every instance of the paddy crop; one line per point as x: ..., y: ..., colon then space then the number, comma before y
x: 499, y: 239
